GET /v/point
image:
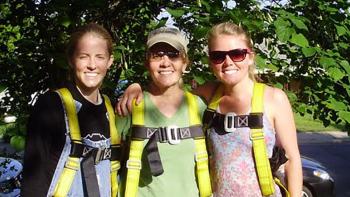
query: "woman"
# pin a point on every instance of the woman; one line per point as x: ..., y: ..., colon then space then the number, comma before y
x: 233, y: 170
x: 69, y: 149
x: 166, y: 135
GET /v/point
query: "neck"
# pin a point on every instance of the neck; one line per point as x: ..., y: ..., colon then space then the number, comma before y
x: 91, y: 95
x: 164, y: 92
x: 240, y: 89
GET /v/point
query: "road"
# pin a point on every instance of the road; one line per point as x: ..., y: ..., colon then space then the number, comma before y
x: 335, y: 155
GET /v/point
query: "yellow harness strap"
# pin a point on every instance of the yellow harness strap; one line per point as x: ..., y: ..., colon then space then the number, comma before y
x: 72, y: 164
x: 257, y: 136
x: 136, y: 148
x: 259, y: 147
x: 115, y: 141
x: 134, y: 162
x: 201, y: 155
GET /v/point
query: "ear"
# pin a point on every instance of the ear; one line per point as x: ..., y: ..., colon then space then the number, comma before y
x: 110, y: 61
x: 70, y: 63
x: 184, y: 68
x: 251, y: 58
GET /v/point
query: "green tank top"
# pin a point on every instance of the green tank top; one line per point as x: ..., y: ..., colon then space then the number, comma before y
x: 179, y: 177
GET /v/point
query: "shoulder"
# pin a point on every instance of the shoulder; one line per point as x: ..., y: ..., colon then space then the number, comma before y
x: 276, y: 102
x: 47, y: 107
x: 275, y: 96
x: 48, y: 101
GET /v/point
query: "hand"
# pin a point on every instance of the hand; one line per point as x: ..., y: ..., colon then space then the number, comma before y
x: 124, y: 105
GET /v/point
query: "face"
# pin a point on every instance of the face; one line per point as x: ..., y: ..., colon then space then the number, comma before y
x: 90, y: 62
x: 165, y: 65
x: 230, y: 58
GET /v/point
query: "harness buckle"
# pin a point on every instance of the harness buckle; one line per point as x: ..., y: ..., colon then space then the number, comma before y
x: 229, y: 124
x: 172, y: 134
x: 201, y: 156
x: 257, y: 135
x: 133, y: 164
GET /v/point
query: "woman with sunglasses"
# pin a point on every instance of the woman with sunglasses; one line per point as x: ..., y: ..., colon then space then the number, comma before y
x: 233, y: 170
x: 162, y: 131
x: 232, y: 60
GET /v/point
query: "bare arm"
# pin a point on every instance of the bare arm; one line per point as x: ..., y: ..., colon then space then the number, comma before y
x: 286, y: 132
x: 134, y: 91
x: 124, y: 105
x: 206, y: 90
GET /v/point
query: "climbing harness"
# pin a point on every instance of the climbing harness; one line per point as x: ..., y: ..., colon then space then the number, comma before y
x: 171, y: 134
x: 90, y: 156
x: 230, y: 122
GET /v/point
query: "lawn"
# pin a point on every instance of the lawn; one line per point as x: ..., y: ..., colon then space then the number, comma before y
x: 307, y: 123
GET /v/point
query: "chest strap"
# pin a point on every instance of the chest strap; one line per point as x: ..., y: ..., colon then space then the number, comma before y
x: 169, y: 134
x: 72, y: 164
x: 99, y: 154
x: 262, y: 163
x: 227, y: 123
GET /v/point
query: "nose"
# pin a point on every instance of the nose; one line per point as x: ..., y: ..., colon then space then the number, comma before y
x: 228, y: 60
x: 165, y: 61
x: 91, y: 64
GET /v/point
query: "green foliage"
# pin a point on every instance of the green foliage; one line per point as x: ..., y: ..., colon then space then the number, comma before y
x: 306, y: 41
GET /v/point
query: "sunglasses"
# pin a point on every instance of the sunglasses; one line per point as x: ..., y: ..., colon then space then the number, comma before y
x: 236, y: 55
x: 158, y: 55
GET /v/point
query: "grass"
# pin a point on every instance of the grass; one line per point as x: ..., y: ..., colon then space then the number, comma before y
x: 306, y: 123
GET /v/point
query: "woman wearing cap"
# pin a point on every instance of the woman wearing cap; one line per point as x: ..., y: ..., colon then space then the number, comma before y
x: 164, y: 134
x: 233, y: 162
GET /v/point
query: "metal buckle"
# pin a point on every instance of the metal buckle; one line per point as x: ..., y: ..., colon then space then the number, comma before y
x: 257, y: 135
x: 133, y: 164
x: 102, y: 154
x: 201, y: 156
x: 229, y: 123
x: 170, y: 131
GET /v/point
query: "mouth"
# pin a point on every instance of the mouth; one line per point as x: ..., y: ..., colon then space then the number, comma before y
x: 165, y: 72
x: 89, y: 74
x: 230, y: 72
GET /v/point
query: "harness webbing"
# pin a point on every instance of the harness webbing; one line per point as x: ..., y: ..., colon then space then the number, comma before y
x: 259, y: 146
x: 72, y: 164
x: 262, y: 163
x: 136, y: 148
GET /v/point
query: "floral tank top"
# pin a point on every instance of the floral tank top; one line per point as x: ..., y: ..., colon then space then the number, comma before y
x: 232, y: 162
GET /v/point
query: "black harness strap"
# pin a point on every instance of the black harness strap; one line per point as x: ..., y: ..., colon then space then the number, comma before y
x: 141, y: 132
x: 163, y: 135
x: 212, y: 119
x: 80, y: 150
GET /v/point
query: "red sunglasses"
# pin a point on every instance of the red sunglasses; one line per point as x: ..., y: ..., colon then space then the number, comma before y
x: 236, y: 55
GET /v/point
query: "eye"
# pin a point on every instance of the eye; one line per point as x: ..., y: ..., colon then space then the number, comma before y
x: 82, y: 56
x: 101, y: 57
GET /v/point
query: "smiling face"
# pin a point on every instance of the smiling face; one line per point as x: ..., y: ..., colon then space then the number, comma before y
x: 230, y: 71
x: 165, y: 65
x: 90, y: 62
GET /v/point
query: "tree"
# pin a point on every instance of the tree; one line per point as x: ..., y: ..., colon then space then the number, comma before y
x: 306, y: 41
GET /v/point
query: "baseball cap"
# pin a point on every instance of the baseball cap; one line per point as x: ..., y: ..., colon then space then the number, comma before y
x: 169, y: 35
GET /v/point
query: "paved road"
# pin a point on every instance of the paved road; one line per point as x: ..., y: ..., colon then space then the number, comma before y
x: 332, y: 149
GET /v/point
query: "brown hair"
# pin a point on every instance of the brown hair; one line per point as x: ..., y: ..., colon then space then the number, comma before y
x: 89, y: 28
x: 231, y: 29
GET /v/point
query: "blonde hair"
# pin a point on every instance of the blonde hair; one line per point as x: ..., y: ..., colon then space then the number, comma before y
x: 231, y: 29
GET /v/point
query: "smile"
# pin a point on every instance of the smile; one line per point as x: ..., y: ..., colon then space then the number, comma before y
x: 229, y: 72
x: 91, y: 74
x: 165, y: 72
